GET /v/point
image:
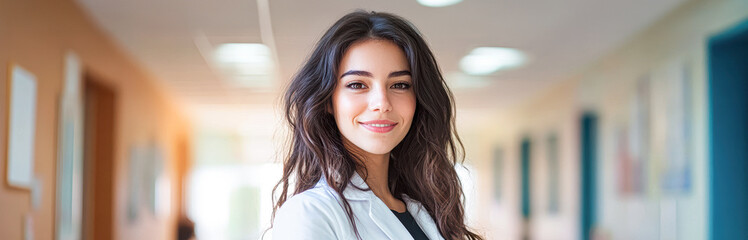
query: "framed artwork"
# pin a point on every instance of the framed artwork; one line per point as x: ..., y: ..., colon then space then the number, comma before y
x: 136, y: 155
x: 625, y: 164
x: 498, y: 169
x: 677, y: 163
x: 20, y: 129
x: 554, y: 178
x: 639, y: 137
x: 144, y: 178
x: 156, y: 182
x: 69, y: 191
x: 631, y: 142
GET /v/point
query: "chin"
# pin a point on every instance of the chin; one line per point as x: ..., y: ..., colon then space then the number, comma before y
x: 378, y: 149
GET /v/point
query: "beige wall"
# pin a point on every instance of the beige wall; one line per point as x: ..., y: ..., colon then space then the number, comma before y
x: 556, y: 112
x: 659, y: 52
x: 36, y: 34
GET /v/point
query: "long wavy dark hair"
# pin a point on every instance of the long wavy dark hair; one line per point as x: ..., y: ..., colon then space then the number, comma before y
x: 421, y: 166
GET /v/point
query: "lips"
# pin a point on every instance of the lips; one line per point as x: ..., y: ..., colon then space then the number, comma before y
x: 379, y: 126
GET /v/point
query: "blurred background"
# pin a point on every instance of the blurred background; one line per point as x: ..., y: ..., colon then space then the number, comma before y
x: 582, y: 119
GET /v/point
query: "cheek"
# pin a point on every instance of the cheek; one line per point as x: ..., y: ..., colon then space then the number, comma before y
x: 345, y: 107
x: 408, y: 109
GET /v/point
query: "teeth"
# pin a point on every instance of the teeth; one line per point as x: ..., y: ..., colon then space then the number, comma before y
x: 380, y: 125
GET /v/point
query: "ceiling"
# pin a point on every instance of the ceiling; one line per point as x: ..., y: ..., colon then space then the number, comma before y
x: 559, y: 37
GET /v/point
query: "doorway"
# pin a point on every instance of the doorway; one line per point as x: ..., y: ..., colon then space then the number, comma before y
x: 728, y: 128
x: 525, y: 149
x: 588, y: 143
x: 99, y: 102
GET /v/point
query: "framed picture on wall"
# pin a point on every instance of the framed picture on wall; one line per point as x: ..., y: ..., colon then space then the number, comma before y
x: 554, y: 173
x: 498, y: 168
x: 637, y: 158
x: 69, y: 185
x: 677, y: 164
x: 625, y: 165
x: 22, y: 89
x: 147, y: 185
x: 135, y: 176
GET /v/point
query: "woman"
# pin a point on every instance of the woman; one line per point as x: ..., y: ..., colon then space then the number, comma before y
x: 373, y: 144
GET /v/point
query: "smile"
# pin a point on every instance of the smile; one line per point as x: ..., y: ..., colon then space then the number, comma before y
x: 379, y: 126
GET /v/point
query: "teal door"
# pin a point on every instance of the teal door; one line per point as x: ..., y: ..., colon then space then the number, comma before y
x: 728, y: 128
x: 588, y: 138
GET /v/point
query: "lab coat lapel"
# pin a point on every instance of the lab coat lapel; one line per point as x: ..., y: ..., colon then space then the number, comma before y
x: 423, y: 218
x: 386, y: 220
x: 379, y: 213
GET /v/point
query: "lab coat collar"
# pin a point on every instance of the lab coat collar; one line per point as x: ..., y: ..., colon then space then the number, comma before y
x: 382, y: 215
x: 422, y: 217
x: 351, y: 192
x: 378, y: 211
x: 358, y: 189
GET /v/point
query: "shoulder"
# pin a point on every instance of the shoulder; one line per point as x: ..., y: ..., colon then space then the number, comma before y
x: 311, y: 214
x: 422, y: 217
x: 314, y: 200
x: 415, y: 207
x: 411, y: 202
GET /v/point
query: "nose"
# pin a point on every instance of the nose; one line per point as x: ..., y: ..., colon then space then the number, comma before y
x: 379, y: 100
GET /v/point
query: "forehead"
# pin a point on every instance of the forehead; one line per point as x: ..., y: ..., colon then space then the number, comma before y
x: 375, y: 56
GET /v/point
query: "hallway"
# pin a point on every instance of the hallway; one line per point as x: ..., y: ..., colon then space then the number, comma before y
x: 580, y: 119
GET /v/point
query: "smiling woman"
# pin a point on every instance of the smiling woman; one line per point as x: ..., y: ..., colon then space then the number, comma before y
x: 373, y: 102
x: 373, y: 146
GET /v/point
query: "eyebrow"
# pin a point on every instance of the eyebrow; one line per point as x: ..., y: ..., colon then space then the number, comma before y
x: 399, y: 73
x: 368, y: 74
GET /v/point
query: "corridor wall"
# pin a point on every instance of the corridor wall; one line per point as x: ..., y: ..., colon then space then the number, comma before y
x: 36, y: 34
x: 636, y: 91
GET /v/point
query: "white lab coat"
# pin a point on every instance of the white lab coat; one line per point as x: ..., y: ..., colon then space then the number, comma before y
x: 317, y: 214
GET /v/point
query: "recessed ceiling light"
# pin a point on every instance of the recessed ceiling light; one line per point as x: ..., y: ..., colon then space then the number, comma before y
x: 487, y: 60
x: 248, y: 64
x: 438, y: 3
x: 252, y: 58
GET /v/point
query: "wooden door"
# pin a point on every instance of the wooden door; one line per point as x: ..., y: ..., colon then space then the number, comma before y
x: 98, y: 160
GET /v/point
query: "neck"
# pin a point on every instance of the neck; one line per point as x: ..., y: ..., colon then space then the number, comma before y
x: 376, y: 177
x: 376, y: 173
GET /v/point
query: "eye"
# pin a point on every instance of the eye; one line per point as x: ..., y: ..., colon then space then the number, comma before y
x: 355, y: 85
x: 401, y: 85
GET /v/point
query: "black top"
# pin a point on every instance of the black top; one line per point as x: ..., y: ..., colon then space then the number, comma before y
x: 410, y: 223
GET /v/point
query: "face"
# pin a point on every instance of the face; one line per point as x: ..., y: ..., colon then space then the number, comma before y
x: 374, y: 102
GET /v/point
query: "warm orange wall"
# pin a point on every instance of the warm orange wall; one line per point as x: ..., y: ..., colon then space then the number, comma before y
x: 36, y: 34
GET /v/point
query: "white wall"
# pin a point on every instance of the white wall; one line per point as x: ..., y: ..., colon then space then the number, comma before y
x: 660, y: 52
x: 608, y: 86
